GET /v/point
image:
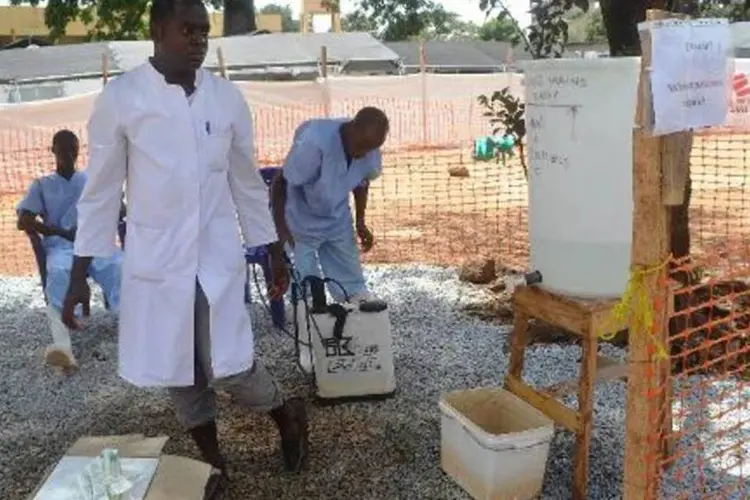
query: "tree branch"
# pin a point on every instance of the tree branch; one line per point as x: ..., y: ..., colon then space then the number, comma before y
x: 504, y: 9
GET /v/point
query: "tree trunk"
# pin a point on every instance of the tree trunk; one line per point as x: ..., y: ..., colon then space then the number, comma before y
x: 239, y: 17
x: 621, y: 18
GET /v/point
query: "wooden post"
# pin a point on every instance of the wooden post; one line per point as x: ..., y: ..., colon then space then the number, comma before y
x: 423, y: 73
x: 648, y: 394
x: 105, y: 69
x: 323, y: 70
x: 222, y: 64
x: 675, y: 170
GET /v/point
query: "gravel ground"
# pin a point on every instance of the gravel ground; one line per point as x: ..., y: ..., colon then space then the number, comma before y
x: 387, y: 450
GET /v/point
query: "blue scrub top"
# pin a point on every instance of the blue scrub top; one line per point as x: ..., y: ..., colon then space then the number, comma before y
x: 319, y: 181
x: 54, y: 199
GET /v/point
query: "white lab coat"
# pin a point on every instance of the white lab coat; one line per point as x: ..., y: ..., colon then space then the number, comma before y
x: 190, y: 174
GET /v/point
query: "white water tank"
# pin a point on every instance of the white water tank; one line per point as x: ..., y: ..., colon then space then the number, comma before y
x: 579, y: 120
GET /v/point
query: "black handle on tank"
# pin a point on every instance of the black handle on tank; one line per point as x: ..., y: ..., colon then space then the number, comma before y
x: 318, y: 292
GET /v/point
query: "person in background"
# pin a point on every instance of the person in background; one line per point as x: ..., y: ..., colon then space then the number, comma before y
x: 49, y: 209
x: 182, y: 139
x: 328, y: 160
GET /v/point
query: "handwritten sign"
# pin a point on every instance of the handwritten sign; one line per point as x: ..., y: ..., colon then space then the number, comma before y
x: 553, y: 99
x: 542, y: 160
x: 553, y: 89
x: 545, y: 155
x: 690, y: 73
x: 346, y: 355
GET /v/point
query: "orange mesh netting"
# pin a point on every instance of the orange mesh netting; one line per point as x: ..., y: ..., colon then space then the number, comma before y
x: 417, y: 210
x: 420, y: 213
x: 706, y: 447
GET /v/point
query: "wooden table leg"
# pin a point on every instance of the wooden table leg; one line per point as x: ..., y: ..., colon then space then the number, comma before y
x: 518, y: 340
x: 585, y: 412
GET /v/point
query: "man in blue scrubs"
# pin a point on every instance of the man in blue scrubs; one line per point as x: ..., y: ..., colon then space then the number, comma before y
x: 49, y: 209
x: 329, y: 159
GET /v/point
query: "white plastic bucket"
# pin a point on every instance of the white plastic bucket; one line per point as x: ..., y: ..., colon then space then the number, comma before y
x: 493, y: 444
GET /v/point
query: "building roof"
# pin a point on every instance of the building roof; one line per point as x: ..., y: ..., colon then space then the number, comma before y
x: 273, y: 50
x: 24, y: 42
x: 56, y: 61
x: 458, y: 55
x: 740, y: 35
x: 302, y: 48
x: 499, y: 51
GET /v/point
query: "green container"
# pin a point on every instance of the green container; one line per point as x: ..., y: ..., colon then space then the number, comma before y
x: 487, y: 148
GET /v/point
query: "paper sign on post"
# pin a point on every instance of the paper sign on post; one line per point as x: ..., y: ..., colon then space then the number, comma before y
x: 690, y: 73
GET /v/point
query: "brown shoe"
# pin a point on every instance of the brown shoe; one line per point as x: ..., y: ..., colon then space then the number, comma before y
x: 291, y: 418
x: 61, y: 359
x: 217, y: 487
x: 207, y: 439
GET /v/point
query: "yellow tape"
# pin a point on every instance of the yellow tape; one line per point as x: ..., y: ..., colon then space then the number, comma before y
x: 637, y: 309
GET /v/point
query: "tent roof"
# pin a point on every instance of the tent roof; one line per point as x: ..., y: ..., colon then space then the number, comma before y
x: 246, y: 51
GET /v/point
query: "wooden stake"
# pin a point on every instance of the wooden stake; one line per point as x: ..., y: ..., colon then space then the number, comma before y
x: 222, y: 65
x: 675, y: 172
x: 323, y: 63
x: 105, y: 69
x: 647, y: 377
x: 423, y: 72
x: 323, y: 69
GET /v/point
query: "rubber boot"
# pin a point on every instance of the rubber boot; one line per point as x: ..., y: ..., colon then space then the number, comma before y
x: 362, y: 297
x: 291, y: 419
x: 60, y: 352
x: 206, y: 437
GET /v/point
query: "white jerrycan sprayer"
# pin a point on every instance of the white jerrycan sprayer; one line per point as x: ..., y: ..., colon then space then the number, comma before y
x: 348, y: 347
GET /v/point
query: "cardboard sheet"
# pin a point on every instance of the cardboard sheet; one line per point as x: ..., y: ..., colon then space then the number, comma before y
x: 176, y: 478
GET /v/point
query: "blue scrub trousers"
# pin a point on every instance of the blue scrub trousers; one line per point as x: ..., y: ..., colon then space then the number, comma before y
x: 105, y: 272
x: 339, y: 260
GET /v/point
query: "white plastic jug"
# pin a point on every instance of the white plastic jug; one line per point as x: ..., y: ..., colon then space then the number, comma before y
x: 359, y: 364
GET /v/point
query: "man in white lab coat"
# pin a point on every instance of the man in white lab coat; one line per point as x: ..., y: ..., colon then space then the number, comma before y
x: 181, y: 139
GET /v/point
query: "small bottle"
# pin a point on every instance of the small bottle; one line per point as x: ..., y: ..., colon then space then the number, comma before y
x: 112, y: 473
x: 110, y: 462
x: 86, y: 486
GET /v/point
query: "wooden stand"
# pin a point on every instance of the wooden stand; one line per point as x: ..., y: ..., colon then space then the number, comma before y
x: 660, y: 171
x: 586, y: 319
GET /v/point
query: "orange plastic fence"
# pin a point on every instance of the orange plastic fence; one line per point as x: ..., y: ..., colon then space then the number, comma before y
x: 418, y: 210
x: 704, y: 388
x: 435, y: 204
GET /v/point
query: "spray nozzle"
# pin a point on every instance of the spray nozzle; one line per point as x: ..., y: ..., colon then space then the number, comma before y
x: 528, y: 279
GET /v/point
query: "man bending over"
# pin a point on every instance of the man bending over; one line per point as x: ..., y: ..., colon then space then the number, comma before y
x: 329, y: 159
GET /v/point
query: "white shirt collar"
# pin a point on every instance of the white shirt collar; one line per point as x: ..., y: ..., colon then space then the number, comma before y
x: 149, y: 69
